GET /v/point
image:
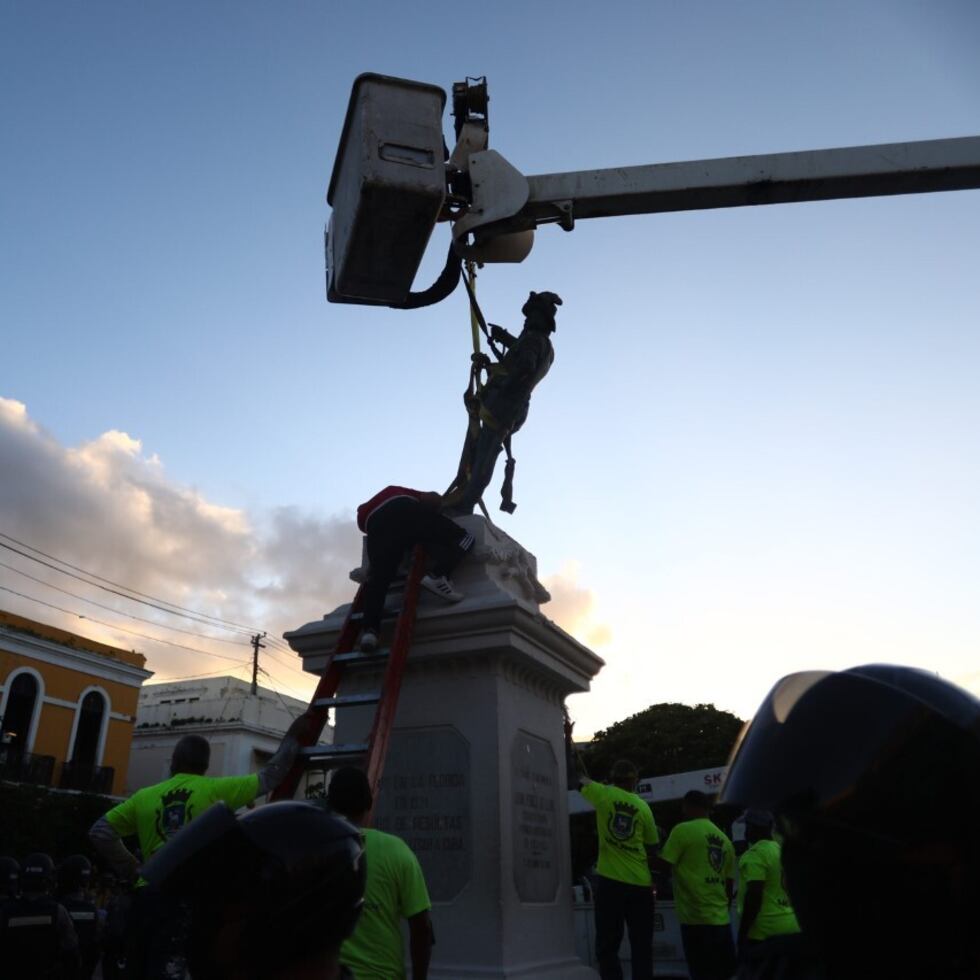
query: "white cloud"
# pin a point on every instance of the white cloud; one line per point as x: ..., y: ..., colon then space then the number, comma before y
x: 109, y: 507
x: 573, y: 606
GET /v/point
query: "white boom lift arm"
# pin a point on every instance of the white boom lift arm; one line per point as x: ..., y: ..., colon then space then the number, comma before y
x: 392, y: 183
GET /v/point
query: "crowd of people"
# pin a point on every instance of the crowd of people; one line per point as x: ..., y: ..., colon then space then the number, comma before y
x: 289, y: 890
x: 273, y: 893
x: 61, y: 921
x: 860, y: 792
x: 841, y: 777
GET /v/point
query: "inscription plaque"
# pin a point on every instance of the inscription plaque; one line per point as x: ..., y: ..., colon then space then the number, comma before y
x: 534, y: 789
x: 424, y: 798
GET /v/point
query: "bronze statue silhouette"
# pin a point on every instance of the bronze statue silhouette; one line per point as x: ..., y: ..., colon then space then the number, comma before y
x: 500, y: 407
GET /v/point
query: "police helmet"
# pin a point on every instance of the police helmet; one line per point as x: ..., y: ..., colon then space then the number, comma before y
x: 74, y: 872
x: 9, y: 873
x: 870, y: 774
x: 285, y: 880
x: 37, y: 872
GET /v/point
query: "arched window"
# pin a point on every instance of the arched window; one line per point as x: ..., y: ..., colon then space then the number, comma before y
x: 88, y: 730
x: 23, y: 697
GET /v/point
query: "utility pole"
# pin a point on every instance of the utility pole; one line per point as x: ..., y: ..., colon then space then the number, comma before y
x: 257, y: 645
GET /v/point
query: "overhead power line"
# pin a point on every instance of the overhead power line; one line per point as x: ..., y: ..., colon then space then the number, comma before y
x: 293, y: 694
x: 104, y: 583
x: 285, y: 663
x: 114, y: 626
x: 155, y: 602
x: 193, y: 677
x: 121, y: 612
x: 292, y: 712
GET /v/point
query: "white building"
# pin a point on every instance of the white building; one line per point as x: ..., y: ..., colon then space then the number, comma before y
x: 244, y: 729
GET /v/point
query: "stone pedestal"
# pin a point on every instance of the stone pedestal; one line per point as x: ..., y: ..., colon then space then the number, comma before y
x: 475, y: 777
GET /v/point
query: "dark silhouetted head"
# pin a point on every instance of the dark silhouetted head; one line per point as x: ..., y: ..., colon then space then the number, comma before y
x: 192, y: 755
x: 695, y: 805
x: 758, y: 825
x: 349, y: 793
x: 74, y: 873
x: 9, y: 877
x: 539, y: 311
x: 37, y: 874
x: 624, y: 774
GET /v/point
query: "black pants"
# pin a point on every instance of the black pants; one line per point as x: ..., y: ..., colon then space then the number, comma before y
x: 786, y: 957
x: 709, y: 951
x: 157, y: 937
x: 618, y: 904
x: 398, y: 526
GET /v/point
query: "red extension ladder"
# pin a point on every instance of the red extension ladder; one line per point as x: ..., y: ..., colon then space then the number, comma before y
x: 370, y: 754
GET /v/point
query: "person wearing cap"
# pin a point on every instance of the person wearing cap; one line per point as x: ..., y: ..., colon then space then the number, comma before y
x: 860, y: 769
x: 74, y: 883
x: 394, y: 891
x: 702, y: 863
x: 270, y: 895
x: 394, y: 521
x: 764, y: 908
x: 500, y: 408
x: 37, y: 938
x: 624, y: 893
x: 155, y: 813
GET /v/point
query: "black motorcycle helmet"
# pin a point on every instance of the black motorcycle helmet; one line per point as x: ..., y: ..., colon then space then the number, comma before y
x: 9, y: 875
x: 872, y: 777
x: 280, y: 884
x: 37, y: 873
x: 74, y: 872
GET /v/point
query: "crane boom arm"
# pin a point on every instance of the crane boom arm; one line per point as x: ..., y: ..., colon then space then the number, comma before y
x: 774, y: 178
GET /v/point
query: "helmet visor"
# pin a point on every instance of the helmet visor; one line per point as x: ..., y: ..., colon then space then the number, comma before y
x: 819, y: 736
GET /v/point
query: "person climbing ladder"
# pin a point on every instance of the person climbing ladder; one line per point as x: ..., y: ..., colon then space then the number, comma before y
x: 394, y: 521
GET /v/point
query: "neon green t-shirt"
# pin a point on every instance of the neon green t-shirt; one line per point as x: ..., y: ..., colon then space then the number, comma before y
x: 625, y: 824
x: 703, y: 860
x: 156, y: 813
x: 395, y: 890
x: 763, y: 862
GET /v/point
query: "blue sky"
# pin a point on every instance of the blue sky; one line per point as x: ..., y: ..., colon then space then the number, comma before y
x: 756, y: 451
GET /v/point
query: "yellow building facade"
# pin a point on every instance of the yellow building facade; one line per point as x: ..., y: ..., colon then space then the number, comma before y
x: 67, y: 707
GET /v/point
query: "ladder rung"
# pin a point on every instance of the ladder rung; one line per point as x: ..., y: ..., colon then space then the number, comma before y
x: 348, y: 700
x: 350, y: 750
x: 355, y: 656
x: 386, y: 614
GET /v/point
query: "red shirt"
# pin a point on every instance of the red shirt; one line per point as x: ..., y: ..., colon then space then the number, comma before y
x: 366, y: 509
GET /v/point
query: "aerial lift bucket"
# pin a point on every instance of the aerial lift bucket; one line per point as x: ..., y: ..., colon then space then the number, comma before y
x: 387, y: 189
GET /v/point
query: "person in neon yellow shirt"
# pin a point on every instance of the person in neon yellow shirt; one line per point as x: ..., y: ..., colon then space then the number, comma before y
x: 624, y: 896
x: 702, y: 862
x: 156, y: 813
x: 395, y: 890
x: 764, y: 908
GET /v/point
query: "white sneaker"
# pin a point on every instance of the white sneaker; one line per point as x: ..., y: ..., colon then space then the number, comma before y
x: 442, y: 587
x: 369, y: 641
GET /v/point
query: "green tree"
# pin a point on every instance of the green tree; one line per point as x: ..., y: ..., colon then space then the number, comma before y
x: 664, y: 739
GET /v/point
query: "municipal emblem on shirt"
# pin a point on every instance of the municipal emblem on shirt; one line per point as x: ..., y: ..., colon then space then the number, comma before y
x: 173, y: 813
x: 622, y: 820
x: 716, y: 852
